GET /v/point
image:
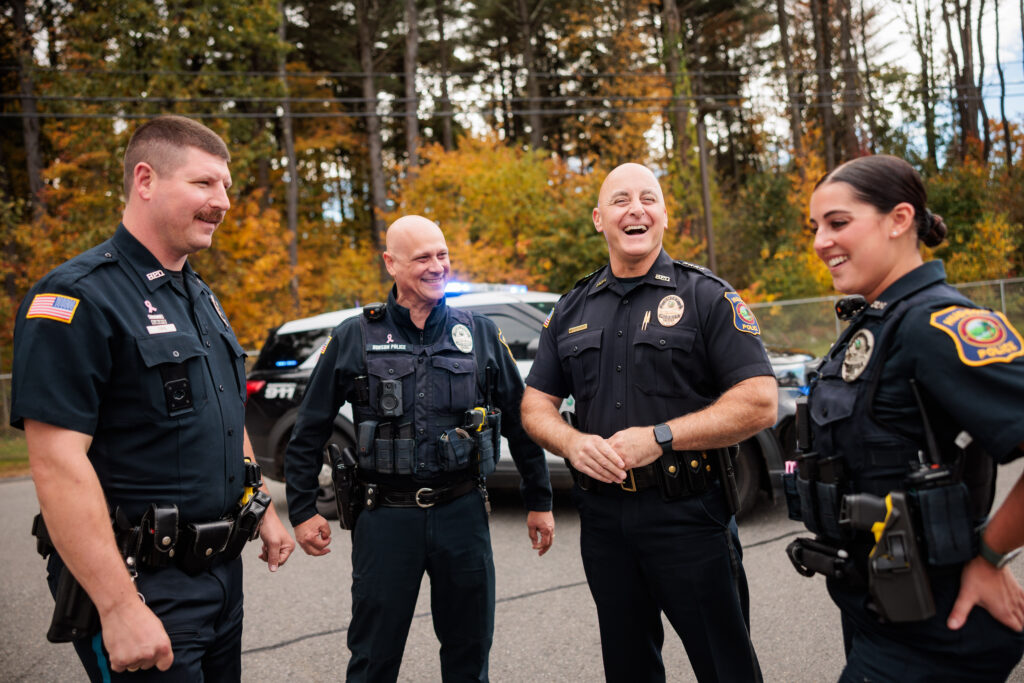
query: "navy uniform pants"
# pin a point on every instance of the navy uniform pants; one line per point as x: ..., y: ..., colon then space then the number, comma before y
x: 391, y: 548
x: 201, y: 614
x: 981, y: 650
x: 644, y: 556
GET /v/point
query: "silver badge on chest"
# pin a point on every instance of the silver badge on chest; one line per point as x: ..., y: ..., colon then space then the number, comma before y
x: 462, y: 338
x: 858, y: 353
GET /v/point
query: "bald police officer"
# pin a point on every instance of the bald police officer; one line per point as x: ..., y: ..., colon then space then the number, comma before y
x: 414, y: 370
x: 130, y: 386
x: 666, y: 367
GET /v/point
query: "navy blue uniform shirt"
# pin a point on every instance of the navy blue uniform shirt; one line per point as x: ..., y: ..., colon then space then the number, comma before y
x: 670, y: 346
x: 90, y: 341
x: 330, y: 386
x: 967, y: 361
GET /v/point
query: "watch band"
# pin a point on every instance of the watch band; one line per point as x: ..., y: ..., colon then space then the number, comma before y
x: 996, y: 559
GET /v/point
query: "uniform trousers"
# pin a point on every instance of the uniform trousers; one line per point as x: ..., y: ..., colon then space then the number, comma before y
x: 644, y: 556
x: 202, y: 616
x: 391, y: 548
x: 981, y: 650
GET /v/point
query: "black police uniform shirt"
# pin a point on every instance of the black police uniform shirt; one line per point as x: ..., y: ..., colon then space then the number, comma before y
x: 670, y: 346
x: 331, y: 385
x: 968, y: 364
x: 96, y: 340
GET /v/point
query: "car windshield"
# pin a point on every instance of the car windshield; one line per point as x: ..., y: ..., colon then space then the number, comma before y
x: 283, y: 351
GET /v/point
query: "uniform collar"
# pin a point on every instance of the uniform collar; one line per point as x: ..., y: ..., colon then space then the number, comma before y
x: 662, y: 273
x: 925, y: 275
x: 151, y: 273
x: 431, y: 328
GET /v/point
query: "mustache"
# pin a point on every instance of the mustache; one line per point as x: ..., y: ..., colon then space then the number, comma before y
x: 211, y: 216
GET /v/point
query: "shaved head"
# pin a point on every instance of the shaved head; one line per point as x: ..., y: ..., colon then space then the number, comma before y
x: 631, y: 215
x: 632, y: 171
x: 409, y: 231
x: 416, y: 256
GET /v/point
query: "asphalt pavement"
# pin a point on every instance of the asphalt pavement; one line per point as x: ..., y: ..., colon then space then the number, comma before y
x: 545, y: 623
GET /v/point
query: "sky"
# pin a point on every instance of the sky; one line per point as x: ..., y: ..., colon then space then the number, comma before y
x: 900, y: 50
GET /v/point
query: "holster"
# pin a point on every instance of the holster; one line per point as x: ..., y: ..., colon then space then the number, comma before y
x: 247, y: 525
x: 897, y: 581
x: 74, y: 614
x: 348, y: 496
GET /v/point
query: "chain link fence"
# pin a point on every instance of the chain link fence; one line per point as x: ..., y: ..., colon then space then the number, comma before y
x: 811, y: 325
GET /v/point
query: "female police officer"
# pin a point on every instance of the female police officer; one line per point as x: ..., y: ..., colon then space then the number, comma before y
x: 904, y: 408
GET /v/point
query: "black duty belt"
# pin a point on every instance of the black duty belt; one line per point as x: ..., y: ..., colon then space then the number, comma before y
x: 677, y: 474
x: 378, y: 495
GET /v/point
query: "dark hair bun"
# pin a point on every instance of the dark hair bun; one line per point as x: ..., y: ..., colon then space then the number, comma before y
x: 935, y: 230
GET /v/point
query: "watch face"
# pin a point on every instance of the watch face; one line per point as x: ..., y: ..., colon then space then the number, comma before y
x: 663, y: 434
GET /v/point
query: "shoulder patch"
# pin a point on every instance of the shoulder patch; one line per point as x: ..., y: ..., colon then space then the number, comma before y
x: 57, y: 307
x: 981, y: 336
x: 326, y: 344
x: 742, y: 317
x: 547, y: 320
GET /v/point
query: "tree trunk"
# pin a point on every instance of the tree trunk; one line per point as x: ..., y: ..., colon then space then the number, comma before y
x: 795, y: 124
x: 958, y: 103
x: 679, y: 108
x: 986, y: 131
x: 292, y: 188
x: 447, y: 139
x: 29, y: 113
x: 923, y: 42
x: 868, y: 86
x: 378, y: 193
x: 533, y: 102
x: 1007, y: 140
x: 851, y: 95
x: 823, y: 65
x: 412, y: 124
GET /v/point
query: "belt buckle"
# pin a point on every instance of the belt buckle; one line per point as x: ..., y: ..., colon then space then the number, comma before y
x: 631, y: 486
x: 417, y: 498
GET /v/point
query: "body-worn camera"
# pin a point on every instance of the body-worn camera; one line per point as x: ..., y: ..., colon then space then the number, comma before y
x: 390, y: 400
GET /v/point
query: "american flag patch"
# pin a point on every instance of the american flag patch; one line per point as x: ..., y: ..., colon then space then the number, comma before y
x: 53, y: 306
x: 324, y: 347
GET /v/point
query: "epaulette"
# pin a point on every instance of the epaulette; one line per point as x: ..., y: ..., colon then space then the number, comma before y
x: 693, y: 266
x: 374, y: 311
x: 707, y: 272
x: 587, y: 278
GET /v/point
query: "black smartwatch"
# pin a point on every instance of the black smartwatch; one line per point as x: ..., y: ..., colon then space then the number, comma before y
x: 997, y: 560
x: 663, y: 435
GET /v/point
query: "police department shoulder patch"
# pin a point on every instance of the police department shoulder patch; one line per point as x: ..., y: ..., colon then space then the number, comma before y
x: 981, y: 336
x: 742, y: 317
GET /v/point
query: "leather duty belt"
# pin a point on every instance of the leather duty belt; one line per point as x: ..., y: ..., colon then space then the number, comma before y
x: 424, y: 497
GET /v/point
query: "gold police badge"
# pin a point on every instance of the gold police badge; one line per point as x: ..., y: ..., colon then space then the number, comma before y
x: 670, y: 310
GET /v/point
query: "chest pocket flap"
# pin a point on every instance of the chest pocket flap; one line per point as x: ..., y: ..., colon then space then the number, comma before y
x: 580, y: 355
x: 832, y: 401
x: 238, y: 356
x: 454, y: 382
x: 390, y: 366
x: 169, y: 348
x: 662, y: 362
